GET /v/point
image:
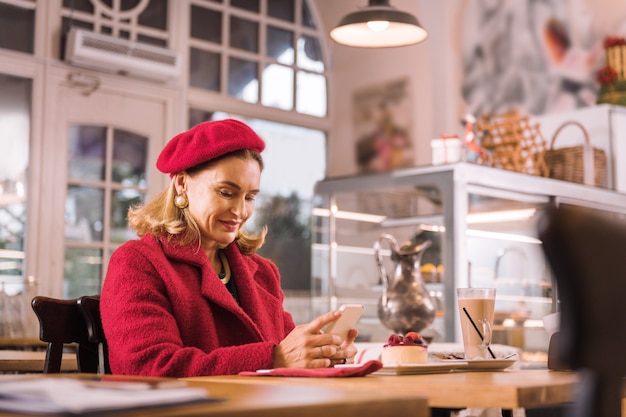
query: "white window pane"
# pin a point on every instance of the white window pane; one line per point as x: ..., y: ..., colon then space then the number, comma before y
x: 130, y: 154
x: 299, y: 151
x: 242, y: 80
x: 17, y: 28
x: 84, y: 217
x: 278, y: 87
x: 86, y: 153
x: 310, y: 54
x: 15, y: 120
x: 83, y: 272
x: 280, y: 45
x: 311, y: 94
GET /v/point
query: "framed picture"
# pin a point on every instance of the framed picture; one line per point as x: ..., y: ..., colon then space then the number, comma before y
x: 381, y: 119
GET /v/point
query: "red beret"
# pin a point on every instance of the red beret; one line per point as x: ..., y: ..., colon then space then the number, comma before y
x: 206, y: 141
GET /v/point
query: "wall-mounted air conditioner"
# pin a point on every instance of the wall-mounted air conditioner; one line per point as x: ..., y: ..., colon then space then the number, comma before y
x: 110, y: 54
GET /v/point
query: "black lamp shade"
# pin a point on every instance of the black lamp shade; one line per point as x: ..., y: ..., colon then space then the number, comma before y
x: 360, y: 29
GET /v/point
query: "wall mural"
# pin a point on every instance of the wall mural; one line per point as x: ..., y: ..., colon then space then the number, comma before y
x: 540, y: 56
x: 381, y: 121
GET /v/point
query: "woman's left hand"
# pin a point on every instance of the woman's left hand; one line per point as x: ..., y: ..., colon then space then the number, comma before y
x: 347, y: 351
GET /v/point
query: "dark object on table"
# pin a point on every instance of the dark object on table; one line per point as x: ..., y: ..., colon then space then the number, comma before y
x: 585, y: 249
x: 554, y: 357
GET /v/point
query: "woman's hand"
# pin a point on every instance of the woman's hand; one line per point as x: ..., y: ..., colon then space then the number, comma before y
x: 347, y: 351
x: 308, y: 347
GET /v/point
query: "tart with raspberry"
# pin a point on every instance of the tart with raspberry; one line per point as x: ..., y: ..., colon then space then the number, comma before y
x: 409, y: 349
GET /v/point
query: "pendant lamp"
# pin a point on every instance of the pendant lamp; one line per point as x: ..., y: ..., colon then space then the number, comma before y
x: 378, y: 25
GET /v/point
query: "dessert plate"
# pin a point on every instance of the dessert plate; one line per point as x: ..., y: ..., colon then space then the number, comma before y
x: 419, y: 368
x: 489, y: 364
x: 483, y: 364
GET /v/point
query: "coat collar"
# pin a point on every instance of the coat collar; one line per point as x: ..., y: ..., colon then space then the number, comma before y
x: 243, y: 270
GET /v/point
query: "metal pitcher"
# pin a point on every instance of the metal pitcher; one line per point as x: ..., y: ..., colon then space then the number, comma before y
x: 405, y: 304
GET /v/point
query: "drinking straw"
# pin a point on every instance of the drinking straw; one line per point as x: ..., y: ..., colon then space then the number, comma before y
x: 478, y: 331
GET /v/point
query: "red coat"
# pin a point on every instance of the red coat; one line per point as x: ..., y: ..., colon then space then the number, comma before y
x: 166, y: 313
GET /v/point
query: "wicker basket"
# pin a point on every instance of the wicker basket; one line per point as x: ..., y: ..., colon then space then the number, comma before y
x: 581, y: 164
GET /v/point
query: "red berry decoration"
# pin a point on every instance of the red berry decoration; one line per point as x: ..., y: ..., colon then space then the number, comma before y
x: 395, y: 339
x: 411, y: 337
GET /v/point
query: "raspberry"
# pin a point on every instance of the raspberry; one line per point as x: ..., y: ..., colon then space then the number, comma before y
x: 411, y: 337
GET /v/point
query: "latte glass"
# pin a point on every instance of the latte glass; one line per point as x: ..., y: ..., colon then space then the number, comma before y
x: 476, y: 309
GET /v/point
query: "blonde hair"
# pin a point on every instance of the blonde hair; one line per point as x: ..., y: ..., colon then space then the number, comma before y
x: 161, y: 217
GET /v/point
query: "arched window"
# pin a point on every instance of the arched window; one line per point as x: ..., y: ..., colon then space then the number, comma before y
x: 259, y: 51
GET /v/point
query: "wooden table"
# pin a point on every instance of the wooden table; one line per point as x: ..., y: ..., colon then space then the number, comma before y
x: 22, y: 343
x: 508, y: 390
x: 307, y: 400
x: 32, y: 361
x: 279, y: 400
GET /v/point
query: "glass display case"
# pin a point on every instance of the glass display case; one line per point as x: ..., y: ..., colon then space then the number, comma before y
x: 482, y: 225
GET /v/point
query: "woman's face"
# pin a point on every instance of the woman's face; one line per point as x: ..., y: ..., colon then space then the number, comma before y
x: 221, y: 197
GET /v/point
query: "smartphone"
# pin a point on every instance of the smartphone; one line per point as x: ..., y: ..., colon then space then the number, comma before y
x: 349, y: 317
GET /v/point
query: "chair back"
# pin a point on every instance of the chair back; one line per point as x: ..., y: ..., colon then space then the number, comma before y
x: 60, y: 323
x: 585, y: 250
x: 89, y: 306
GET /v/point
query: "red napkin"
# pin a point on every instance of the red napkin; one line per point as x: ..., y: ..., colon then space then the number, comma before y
x: 357, y: 370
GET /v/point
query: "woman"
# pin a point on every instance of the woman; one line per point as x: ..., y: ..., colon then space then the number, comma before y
x: 191, y: 297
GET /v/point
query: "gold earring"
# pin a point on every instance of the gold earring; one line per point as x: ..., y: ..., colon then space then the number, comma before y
x: 181, y: 201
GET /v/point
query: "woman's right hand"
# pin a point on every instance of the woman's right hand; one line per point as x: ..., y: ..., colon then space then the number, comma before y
x: 307, y: 346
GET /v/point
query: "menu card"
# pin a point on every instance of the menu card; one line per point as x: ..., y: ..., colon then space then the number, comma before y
x: 56, y: 395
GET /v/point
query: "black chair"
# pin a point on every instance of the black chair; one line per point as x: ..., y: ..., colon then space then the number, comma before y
x: 587, y: 253
x: 62, y: 323
x: 89, y: 306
